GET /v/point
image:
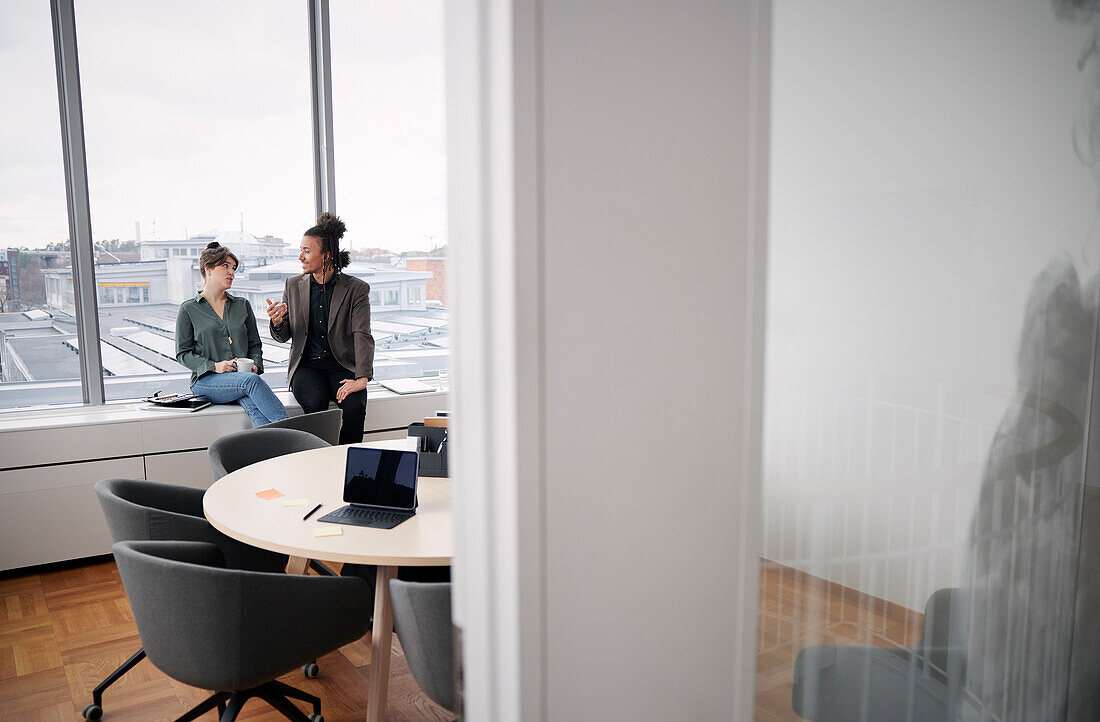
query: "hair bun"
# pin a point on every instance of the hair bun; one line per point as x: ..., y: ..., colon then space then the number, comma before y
x: 213, y: 244
x: 331, y: 225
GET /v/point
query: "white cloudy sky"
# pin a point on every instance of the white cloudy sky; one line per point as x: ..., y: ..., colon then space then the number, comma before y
x: 196, y: 113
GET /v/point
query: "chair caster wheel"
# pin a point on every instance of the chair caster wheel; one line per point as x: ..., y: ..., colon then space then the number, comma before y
x: 316, y: 718
x: 93, y: 712
x: 311, y: 671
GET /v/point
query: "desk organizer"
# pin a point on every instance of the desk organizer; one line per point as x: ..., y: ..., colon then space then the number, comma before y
x: 432, y: 447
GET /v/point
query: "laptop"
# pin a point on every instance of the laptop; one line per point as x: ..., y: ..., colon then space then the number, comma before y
x: 379, y: 487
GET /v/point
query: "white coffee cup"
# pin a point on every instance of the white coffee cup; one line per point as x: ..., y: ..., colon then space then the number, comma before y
x: 244, y: 365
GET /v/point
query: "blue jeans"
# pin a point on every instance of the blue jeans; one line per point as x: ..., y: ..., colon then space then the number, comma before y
x: 253, y: 393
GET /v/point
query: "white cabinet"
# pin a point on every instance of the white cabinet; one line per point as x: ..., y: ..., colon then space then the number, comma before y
x: 50, y: 513
x: 187, y: 468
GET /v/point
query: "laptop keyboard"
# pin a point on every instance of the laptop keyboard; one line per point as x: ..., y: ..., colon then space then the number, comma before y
x: 365, y: 517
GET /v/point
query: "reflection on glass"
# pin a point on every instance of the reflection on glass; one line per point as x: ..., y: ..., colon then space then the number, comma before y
x: 930, y: 545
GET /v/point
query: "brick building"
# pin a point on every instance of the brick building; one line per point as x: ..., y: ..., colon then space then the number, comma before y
x: 437, y: 284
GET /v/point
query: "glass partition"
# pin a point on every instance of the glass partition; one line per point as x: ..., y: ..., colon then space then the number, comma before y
x: 931, y: 330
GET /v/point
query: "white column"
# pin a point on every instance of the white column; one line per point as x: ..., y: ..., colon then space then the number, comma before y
x: 608, y: 177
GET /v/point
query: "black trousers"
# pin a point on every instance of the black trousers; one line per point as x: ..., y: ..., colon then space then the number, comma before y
x: 315, y: 384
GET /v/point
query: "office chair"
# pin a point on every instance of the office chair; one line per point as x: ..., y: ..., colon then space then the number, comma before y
x: 235, y: 631
x: 236, y: 451
x: 422, y: 618
x: 325, y: 425
x: 837, y: 683
x: 138, y: 510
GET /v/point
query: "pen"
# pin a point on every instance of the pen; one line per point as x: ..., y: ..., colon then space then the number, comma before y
x: 311, y: 512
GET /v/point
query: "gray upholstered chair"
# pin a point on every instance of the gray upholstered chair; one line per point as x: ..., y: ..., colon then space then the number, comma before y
x: 231, y: 630
x: 138, y: 510
x: 422, y: 618
x: 837, y: 683
x: 236, y: 451
x: 324, y: 425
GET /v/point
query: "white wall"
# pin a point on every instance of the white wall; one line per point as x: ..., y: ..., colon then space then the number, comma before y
x: 923, y: 173
x: 602, y: 159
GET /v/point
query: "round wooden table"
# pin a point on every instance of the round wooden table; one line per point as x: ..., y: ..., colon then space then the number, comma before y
x: 232, y: 507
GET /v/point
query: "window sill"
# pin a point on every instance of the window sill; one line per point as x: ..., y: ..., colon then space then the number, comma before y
x: 64, y: 435
x: 136, y: 410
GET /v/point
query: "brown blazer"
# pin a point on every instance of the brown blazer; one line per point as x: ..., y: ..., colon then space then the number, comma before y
x: 349, y: 334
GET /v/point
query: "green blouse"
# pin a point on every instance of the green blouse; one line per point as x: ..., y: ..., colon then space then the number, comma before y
x: 203, y: 338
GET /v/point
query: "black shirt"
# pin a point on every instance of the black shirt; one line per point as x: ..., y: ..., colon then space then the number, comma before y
x: 320, y: 301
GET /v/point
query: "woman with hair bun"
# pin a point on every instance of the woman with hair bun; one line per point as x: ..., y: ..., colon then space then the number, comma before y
x: 213, y: 329
x: 325, y: 314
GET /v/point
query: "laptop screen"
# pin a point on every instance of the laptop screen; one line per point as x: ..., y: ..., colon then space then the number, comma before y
x: 381, y: 477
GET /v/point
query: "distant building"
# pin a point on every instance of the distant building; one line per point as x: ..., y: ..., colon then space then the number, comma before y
x: 31, y: 347
x: 436, y: 265
x: 125, y: 284
x: 9, y: 280
x: 259, y: 251
x: 138, y: 302
x: 174, y: 280
x: 49, y: 259
x: 391, y: 289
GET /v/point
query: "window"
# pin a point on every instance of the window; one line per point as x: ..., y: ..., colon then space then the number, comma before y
x: 414, y: 296
x: 388, y: 126
x: 387, y: 65
x: 37, y: 362
x: 224, y: 94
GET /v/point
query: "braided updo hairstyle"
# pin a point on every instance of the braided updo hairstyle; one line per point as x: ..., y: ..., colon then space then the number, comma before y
x: 329, y: 230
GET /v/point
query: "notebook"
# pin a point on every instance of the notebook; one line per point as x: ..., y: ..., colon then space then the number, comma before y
x: 379, y: 488
x: 178, y: 402
x: 406, y: 386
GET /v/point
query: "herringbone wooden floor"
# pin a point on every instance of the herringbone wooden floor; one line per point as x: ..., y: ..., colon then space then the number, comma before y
x: 63, y: 631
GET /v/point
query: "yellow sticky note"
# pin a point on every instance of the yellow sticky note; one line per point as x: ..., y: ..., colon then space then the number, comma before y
x: 327, y: 531
x: 295, y: 502
x: 269, y: 494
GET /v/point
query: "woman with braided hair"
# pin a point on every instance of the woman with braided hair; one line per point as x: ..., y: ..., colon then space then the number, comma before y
x: 325, y: 314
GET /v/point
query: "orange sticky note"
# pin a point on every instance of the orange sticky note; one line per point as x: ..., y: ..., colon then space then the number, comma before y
x: 269, y: 494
